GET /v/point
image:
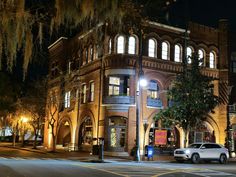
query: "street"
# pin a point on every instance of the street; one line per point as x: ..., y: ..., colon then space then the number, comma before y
x: 32, y: 167
x: 26, y: 163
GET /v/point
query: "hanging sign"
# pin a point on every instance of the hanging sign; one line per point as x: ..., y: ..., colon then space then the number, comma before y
x: 160, y: 137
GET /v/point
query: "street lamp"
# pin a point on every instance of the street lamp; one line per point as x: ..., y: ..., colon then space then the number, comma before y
x: 141, y: 82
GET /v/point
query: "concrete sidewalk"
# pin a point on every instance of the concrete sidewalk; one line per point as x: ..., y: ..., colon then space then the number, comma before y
x: 86, y: 156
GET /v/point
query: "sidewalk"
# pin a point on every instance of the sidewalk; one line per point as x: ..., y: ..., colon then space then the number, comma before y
x: 85, y: 156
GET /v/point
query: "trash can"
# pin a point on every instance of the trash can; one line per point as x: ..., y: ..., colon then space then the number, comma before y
x: 95, y: 149
x: 149, y: 151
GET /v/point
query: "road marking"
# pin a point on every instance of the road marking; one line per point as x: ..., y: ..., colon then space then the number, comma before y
x: 165, y: 173
x: 107, y: 171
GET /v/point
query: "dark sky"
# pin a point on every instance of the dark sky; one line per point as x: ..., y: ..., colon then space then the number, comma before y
x: 206, y: 12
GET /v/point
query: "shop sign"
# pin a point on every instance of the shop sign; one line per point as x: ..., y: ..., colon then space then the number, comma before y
x: 160, y: 137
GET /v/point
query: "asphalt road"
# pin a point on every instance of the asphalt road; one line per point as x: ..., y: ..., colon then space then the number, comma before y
x: 21, y: 163
x: 34, y: 167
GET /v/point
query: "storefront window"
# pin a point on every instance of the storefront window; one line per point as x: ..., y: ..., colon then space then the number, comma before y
x: 117, y: 133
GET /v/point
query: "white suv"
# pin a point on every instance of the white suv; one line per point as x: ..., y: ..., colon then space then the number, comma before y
x: 202, y: 151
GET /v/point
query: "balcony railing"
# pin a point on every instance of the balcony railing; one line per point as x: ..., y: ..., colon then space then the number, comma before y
x: 118, y: 100
x: 154, y: 102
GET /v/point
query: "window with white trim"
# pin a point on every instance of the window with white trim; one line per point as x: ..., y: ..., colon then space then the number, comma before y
x: 91, y: 95
x: 67, y: 99
x: 114, y: 86
x: 153, y: 89
x: 212, y: 60
x: 86, y: 56
x: 177, y: 53
x: 83, y: 96
x: 151, y: 48
x: 131, y: 46
x: 201, y: 57
x: 91, y: 53
x: 189, y: 55
x: 120, y: 44
x: 165, y: 51
x: 109, y: 46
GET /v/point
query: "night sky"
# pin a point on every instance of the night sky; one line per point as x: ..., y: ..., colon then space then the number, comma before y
x: 206, y: 12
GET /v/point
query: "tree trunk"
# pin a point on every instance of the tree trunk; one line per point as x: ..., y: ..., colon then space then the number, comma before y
x: 53, y: 143
x: 186, y: 133
x: 23, y: 139
x: 35, y: 138
x: 13, y: 139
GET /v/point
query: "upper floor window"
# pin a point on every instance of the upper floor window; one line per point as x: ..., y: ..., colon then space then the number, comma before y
x: 97, y: 49
x: 114, y: 86
x: 83, y: 96
x: 67, y: 99
x: 131, y: 46
x: 152, y: 48
x: 69, y: 67
x: 201, y: 57
x: 91, y: 53
x: 109, y: 46
x: 153, y: 89
x: 86, y: 56
x: 189, y: 55
x: 91, y: 94
x: 212, y: 60
x: 165, y: 51
x: 120, y: 44
x: 233, y: 66
x: 177, y: 53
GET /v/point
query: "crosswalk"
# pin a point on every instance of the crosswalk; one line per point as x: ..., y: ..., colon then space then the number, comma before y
x: 209, y: 173
x: 152, y: 171
x: 30, y: 158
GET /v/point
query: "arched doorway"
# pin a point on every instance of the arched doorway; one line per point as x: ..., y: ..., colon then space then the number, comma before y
x: 117, y: 134
x: 64, y: 134
x: 203, y: 133
x: 86, y: 134
x: 172, y: 136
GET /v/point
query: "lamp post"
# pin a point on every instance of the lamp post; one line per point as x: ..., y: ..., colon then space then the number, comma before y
x: 140, y: 82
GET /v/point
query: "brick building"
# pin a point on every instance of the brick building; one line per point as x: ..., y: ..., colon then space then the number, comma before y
x: 93, y: 78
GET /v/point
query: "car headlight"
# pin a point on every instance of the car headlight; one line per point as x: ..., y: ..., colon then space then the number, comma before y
x: 187, y: 151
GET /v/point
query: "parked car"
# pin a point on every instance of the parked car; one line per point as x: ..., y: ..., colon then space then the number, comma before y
x: 202, y: 151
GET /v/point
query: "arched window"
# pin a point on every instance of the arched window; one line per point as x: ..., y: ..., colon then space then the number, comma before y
x: 165, y: 51
x: 201, y: 57
x: 91, y: 53
x: 131, y: 46
x: 120, y: 44
x: 189, y: 54
x: 212, y: 60
x: 109, y: 46
x: 152, y: 48
x: 177, y: 53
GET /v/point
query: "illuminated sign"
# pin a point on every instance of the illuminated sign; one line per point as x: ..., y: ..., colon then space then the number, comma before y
x: 160, y: 137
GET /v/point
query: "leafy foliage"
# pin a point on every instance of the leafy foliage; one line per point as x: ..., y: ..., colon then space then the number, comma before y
x: 192, y: 97
x: 24, y: 24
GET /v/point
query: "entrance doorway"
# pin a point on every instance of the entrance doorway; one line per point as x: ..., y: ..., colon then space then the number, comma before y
x: 64, y: 134
x: 204, y: 133
x: 86, y: 134
x: 117, y: 133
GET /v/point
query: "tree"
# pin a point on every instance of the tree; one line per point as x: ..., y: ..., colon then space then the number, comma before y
x: 53, y: 104
x: 192, y: 97
x: 25, y: 24
x: 33, y: 102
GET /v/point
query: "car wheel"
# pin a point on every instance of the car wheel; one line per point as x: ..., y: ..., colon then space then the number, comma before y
x: 223, y: 159
x: 195, y: 158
